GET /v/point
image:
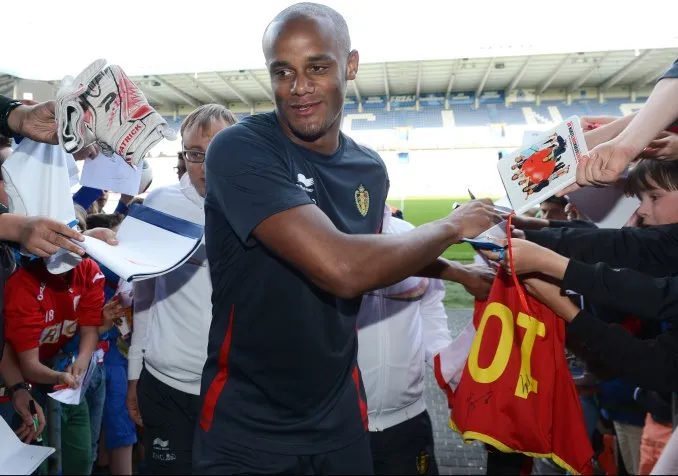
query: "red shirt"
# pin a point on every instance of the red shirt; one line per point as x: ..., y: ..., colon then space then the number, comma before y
x: 536, y: 169
x: 516, y: 392
x: 42, y: 310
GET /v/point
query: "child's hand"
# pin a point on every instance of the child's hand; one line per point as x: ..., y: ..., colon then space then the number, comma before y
x: 549, y: 294
x: 112, y: 311
x: 78, y: 368
x: 528, y: 257
x: 66, y: 378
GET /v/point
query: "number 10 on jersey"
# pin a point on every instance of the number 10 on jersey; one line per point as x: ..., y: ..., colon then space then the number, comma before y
x: 533, y: 328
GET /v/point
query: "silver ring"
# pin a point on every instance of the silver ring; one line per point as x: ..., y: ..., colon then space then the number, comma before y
x: 502, y: 253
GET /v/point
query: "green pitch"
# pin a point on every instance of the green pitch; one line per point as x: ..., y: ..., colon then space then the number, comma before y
x: 423, y: 210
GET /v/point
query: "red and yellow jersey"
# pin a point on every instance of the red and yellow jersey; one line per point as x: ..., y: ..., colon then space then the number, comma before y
x: 43, y: 310
x: 516, y: 392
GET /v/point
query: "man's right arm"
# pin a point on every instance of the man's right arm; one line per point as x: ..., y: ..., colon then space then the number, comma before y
x: 349, y: 265
x: 250, y: 183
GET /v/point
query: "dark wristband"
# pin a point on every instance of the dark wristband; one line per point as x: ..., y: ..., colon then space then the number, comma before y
x: 6, y: 109
x: 15, y: 388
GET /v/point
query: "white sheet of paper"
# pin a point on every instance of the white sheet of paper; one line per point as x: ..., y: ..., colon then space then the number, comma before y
x: 71, y: 396
x: 67, y: 396
x: 37, y: 181
x: 112, y: 174
x: 143, y: 250
x: 17, y: 457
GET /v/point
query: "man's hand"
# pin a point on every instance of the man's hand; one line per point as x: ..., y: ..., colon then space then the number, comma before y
x: 36, y: 122
x: 43, y: 236
x: 473, y: 218
x: 103, y: 234
x: 603, y: 166
x: 664, y: 147
x: 478, y: 280
x: 549, y: 294
x: 27, y: 432
x: 133, y: 403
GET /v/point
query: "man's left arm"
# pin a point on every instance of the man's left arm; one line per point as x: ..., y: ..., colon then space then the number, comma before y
x: 476, y: 279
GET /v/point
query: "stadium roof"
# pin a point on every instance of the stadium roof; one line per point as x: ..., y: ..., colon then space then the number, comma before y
x: 633, y: 69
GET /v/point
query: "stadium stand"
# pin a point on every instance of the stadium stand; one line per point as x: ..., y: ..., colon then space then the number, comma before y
x: 462, y: 116
x: 437, y: 152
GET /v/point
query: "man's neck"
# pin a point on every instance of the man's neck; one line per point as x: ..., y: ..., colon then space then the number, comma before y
x: 326, y: 145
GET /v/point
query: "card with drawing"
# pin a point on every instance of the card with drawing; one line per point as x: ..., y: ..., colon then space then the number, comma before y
x: 535, y: 172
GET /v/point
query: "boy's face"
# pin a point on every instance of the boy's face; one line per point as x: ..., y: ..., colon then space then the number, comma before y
x: 658, y: 206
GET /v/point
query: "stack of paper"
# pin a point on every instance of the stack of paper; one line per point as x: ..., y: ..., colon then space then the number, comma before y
x: 17, y: 457
x: 150, y: 243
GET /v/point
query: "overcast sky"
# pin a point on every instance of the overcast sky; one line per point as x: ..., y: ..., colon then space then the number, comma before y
x: 50, y: 39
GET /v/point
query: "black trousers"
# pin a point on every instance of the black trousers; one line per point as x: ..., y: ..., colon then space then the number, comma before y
x: 169, y: 418
x: 507, y: 463
x: 227, y: 458
x: 406, y: 448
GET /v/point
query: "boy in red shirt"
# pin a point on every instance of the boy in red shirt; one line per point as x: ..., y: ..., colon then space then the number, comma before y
x: 43, y: 312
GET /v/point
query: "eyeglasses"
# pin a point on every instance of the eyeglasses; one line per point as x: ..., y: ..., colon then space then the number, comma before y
x: 194, y: 156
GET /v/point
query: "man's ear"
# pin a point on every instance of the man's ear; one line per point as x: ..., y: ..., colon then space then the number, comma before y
x: 352, y: 69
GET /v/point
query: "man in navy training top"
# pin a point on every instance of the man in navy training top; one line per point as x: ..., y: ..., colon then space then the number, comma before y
x: 293, y: 208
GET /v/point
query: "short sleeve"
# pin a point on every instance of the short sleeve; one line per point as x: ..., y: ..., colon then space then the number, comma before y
x: 23, y: 317
x: 92, y: 296
x: 672, y: 72
x: 248, y: 179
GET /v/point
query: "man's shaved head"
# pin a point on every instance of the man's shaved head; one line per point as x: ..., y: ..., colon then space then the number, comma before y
x: 315, y: 11
x: 310, y: 61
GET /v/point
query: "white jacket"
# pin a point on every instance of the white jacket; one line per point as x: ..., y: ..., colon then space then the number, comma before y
x: 173, y: 312
x: 400, y: 329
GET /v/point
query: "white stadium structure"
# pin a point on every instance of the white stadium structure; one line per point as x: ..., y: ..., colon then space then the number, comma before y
x: 438, y: 124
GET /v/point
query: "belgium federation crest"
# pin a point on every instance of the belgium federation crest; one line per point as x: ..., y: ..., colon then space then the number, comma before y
x: 423, y: 463
x: 362, y: 199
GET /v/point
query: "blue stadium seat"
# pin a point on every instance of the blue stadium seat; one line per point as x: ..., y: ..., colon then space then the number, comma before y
x: 485, y: 121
